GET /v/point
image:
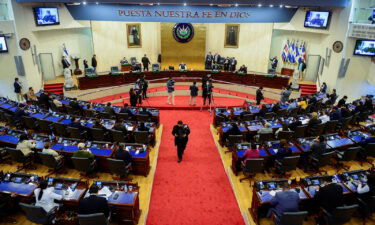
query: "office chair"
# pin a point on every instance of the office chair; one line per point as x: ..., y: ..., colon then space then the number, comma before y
x: 143, y: 118
x: 261, y: 138
x: 60, y: 129
x: 345, y: 123
x: 10, y: 121
x: 269, y: 115
x: 287, y: 135
x: 105, y: 115
x: 290, y: 218
x: 119, y: 168
x: 317, y: 130
x: 300, y: 132
x: 252, y: 166
x: 294, y: 112
x: 98, y: 134
x: 331, y: 126
x: 287, y: 164
x: 118, y: 136
x: 45, y: 126
x: 74, y: 132
x: 89, y: 112
x: 123, y: 116
x: 84, y: 165
x: 142, y: 137
x: 346, y: 155
x: 282, y: 113
x: 29, y: 122
x: 37, y: 214
x: 233, y: 140
x: 325, y: 160
x: 18, y: 156
x: 340, y: 215
x: 115, y: 70
x: 367, y: 151
x: 366, y: 207
x: 70, y: 110
x: 51, y: 162
x: 248, y: 117
x: 90, y: 219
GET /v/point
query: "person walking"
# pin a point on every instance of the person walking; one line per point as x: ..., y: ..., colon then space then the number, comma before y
x: 18, y: 89
x: 259, y: 95
x: 193, y: 94
x: 170, y: 90
x: 181, y: 133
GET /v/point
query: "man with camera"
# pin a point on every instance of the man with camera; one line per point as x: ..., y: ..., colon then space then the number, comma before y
x: 181, y: 133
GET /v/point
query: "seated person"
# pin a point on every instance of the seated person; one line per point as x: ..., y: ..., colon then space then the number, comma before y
x: 144, y: 111
x: 123, y: 154
x: 243, y: 69
x: 276, y: 107
x: 99, y: 125
x: 317, y: 149
x: 243, y: 113
x: 75, y: 105
x: 26, y: 146
x: 142, y: 127
x: 283, y: 128
x: 335, y: 114
x: 48, y: 151
x: 266, y: 129
x: 292, y: 105
x: 251, y: 153
x: 124, y: 61
x: 126, y: 109
x: 263, y: 110
x: 45, y: 197
x: 303, y: 104
x: 76, y: 123
x: 283, y: 151
x: 345, y: 113
x: 330, y: 195
x: 313, y: 122
x: 31, y: 95
x: 19, y: 113
x: 56, y: 102
x: 93, y: 203
x: 182, y: 66
x: 324, y: 117
x: 108, y: 109
x: 284, y: 201
x: 119, y: 126
x: 234, y: 130
x: 295, y: 123
x: 82, y: 152
x: 44, y: 99
x: 342, y: 101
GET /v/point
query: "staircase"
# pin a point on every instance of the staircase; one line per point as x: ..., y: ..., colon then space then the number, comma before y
x: 307, y: 89
x: 57, y: 88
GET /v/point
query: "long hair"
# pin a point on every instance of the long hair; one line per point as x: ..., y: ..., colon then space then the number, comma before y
x: 43, y: 185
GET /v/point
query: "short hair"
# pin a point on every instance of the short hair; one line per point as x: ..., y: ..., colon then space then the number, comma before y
x: 321, y: 138
x: 314, y: 115
x: 81, y: 146
x: 16, y: 79
x: 267, y: 125
x: 327, y: 179
x: 23, y: 137
x: 46, y: 145
x: 345, y: 96
x: 126, y: 105
x: 94, y: 189
x: 108, y: 104
x: 283, y: 143
x: 180, y: 122
x: 194, y: 82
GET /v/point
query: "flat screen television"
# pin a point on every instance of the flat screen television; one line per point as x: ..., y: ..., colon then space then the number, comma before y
x: 46, y: 16
x: 317, y: 19
x: 364, y: 47
x: 3, y: 44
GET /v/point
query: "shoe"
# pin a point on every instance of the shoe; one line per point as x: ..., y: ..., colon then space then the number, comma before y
x: 179, y: 160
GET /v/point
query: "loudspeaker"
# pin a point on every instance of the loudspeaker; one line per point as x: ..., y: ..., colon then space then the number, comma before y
x: 19, y: 65
x: 328, y: 56
x: 343, y: 67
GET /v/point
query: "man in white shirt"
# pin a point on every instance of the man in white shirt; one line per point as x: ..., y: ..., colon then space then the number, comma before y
x: 324, y: 118
x: 25, y: 146
x: 47, y: 198
x: 49, y: 151
x: 57, y: 103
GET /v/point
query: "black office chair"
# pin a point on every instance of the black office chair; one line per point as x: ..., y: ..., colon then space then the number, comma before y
x: 287, y: 135
x: 219, y: 120
x: 51, y: 162
x: 366, y: 207
x: 84, y: 165
x: 264, y: 137
x: 340, y: 215
x: 317, y: 130
x: 90, y: 219
x: 325, y: 160
x: 29, y: 123
x: 119, y: 168
x: 252, y: 166
x: 10, y: 120
x: 287, y: 164
x: 300, y: 132
x: 269, y: 115
x: 367, y: 151
x: 18, y: 156
x: 105, y: 115
x: 232, y: 141
x: 282, y: 113
x: 290, y: 218
x: 118, y: 136
x: 248, y: 117
x: 294, y: 112
x: 143, y: 118
x: 98, y: 134
x: 73, y: 132
x: 70, y: 110
x: 89, y: 112
x: 346, y: 155
x: 123, y: 116
x: 142, y: 137
x: 45, y: 126
x: 331, y: 126
x: 2, y: 116
x: 37, y: 214
x: 60, y: 129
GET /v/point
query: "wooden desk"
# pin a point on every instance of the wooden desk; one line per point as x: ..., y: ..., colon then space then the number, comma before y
x: 107, y: 80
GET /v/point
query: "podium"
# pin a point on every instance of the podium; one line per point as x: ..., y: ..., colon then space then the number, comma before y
x: 286, y: 71
x: 77, y: 70
x: 126, y: 67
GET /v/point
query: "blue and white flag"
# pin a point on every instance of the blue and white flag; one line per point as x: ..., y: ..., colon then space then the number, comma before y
x: 66, y: 54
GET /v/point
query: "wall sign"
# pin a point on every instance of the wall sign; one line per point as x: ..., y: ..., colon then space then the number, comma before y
x: 181, y: 14
x: 183, y: 32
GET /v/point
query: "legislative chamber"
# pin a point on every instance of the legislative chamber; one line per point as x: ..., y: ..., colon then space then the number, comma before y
x: 196, y: 112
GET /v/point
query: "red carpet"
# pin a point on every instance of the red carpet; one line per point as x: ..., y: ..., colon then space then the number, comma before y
x: 182, y: 102
x: 197, y: 190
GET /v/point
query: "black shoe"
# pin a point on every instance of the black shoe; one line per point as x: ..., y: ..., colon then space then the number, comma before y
x: 179, y: 160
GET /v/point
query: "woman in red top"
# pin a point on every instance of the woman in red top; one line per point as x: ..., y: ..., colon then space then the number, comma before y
x: 251, y: 153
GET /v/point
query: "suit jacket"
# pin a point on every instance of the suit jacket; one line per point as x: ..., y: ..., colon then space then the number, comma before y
x: 330, y: 196
x: 318, y: 149
x: 124, y: 156
x: 94, y: 63
x: 259, y: 94
x: 285, y: 201
x: 180, y: 140
x: 341, y: 102
x: 18, y: 114
x: 145, y: 61
x: 126, y: 110
x: 93, y: 204
x: 65, y: 63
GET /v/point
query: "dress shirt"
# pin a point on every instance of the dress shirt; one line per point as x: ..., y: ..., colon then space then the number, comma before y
x: 47, y: 202
x: 324, y: 118
x: 25, y: 147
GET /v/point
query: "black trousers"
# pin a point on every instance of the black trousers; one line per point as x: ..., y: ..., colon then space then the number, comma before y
x: 145, y: 67
x: 258, y: 101
x: 180, y: 151
x: 205, y: 97
x: 144, y: 93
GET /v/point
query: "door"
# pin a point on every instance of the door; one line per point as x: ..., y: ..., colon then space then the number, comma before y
x: 312, y: 67
x: 46, y: 63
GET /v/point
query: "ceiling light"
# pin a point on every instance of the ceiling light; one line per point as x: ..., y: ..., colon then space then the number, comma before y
x: 259, y: 5
x: 271, y: 6
x: 211, y: 4
x: 84, y: 3
x: 185, y: 4
x: 281, y: 6
x: 158, y: 3
x: 97, y: 3
x: 236, y: 4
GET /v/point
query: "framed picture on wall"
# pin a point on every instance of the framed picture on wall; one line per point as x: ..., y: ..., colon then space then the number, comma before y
x: 133, y: 33
x: 232, y: 32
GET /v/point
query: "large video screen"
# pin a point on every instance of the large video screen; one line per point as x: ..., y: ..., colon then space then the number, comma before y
x: 3, y: 44
x: 317, y: 19
x: 46, y: 16
x: 364, y: 47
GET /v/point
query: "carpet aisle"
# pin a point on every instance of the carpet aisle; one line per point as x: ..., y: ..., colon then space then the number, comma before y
x: 196, y: 191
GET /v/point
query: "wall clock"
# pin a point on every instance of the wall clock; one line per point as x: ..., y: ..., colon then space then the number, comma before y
x: 337, y: 46
x: 24, y: 44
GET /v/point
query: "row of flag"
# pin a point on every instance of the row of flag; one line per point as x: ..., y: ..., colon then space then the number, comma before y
x: 293, y: 51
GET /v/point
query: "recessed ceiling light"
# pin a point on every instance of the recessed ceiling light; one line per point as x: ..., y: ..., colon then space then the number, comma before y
x: 236, y: 4
x: 211, y: 4
x: 158, y: 3
x: 271, y: 6
x: 281, y: 6
x: 185, y: 4
x: 84, y: 3
x: 259, y: 5
x: 97, y: 3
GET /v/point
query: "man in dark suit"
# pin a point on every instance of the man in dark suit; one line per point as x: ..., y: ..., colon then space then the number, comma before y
x: 330, y: 195
x: 333, y: 97
x: 123, y: 155
x: 127, y: 110
x: 120, y: 127
x: 335, y: 114
x: 75, y: 105
x: 18, y: 89
x: 296, y: 122
x: 19, y: 113
x: 93, y: 203
x: 217, y: 58
x: 259, y: 95
x: 94, y: 63
x: 181, y: 133
x: 208, y: 63
x: 76, y: 124
x: 233, y: 64
x: 342, y: 101
x: 145, y: 62
x: 284, y: 201
x: 44, y: 99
